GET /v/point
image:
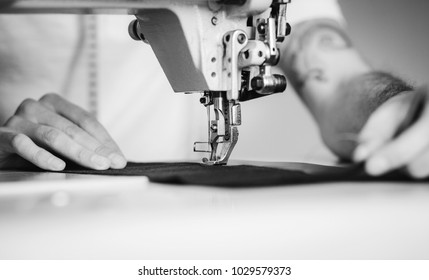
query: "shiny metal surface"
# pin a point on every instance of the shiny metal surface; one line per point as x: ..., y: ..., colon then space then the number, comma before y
x: 84, y: 217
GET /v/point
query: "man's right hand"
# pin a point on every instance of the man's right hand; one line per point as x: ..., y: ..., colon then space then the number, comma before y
x: 47, y: 131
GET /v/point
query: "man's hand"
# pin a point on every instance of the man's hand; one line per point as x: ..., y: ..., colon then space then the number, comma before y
x: 386, y: 145
x: 42, y: 132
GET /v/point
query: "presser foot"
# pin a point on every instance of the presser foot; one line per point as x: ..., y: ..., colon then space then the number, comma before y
x: 220, y: 150
x: 223, y: 118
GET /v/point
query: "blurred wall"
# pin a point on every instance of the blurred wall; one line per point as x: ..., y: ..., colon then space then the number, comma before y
x: 391, y: 34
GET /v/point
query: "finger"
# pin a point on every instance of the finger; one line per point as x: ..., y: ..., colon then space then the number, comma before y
x: 50, y: 118
x: 79, y: 116
x: 403, y: 149
x: 23, y: 146
x: 419, y: 167
x: 57, y: 141
x: 27, y: 109
x: 380, y: 128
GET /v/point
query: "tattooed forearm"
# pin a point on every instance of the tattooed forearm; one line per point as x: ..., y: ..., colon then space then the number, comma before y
x: 312, y: 43
x: 334, y: 81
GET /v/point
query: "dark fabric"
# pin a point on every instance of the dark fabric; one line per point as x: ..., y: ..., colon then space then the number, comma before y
x: 239, y: 175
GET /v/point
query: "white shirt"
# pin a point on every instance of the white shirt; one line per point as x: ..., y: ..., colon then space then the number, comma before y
x: 49, y: 53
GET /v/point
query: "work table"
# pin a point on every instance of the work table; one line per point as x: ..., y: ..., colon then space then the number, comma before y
x: 64, y: 216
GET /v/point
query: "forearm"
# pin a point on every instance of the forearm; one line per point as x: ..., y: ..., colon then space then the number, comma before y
x: 342, y: 118
x: 338, y: 86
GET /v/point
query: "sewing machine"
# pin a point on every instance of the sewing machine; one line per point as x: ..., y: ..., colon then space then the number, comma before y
x: 223, y: 49
x: 62, y: 216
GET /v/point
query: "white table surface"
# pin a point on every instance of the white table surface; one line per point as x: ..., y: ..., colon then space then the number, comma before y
x: 58, y: 216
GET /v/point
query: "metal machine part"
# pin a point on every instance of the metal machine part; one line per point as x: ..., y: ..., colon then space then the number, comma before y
x: 223, y: 49
x: 223, y: 118
x: 247, y: 61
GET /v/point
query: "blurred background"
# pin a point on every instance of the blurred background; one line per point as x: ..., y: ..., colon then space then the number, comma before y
x: 391, y: 34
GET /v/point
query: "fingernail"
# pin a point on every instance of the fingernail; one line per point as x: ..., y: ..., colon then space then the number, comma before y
x: 57, y: 164
x: 117, y: 160
x: 100, y: 162
x: 377, y: 166
x: 361, y: 153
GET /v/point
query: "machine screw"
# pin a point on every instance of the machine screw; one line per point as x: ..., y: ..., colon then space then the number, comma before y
x: 241, y: 38
x: 133, y: 30
x: 262, y: 28
x: 204, y: 100
x: 257, y: 83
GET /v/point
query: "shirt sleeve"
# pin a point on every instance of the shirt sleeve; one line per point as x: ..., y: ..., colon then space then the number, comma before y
x: 303, y: 10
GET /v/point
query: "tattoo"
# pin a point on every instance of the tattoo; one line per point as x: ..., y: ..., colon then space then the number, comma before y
x: 337, y: 85
x: 309, y: 44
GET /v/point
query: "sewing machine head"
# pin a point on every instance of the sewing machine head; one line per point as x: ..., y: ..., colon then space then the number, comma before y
x: 223, y: 49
